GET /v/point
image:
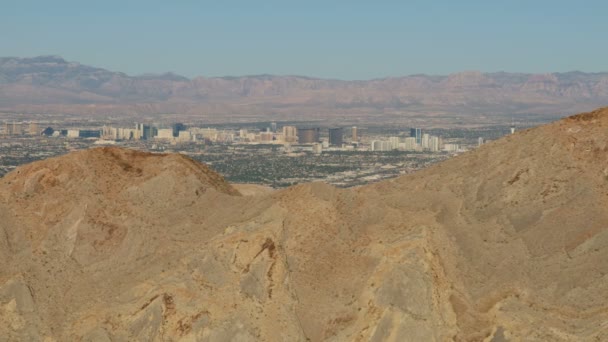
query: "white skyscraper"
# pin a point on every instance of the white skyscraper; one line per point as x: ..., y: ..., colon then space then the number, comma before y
x: 376, y: 145
x: 435, y: 144
x: 394, y: 143
x: 426, y: 139
x: 410, y: 144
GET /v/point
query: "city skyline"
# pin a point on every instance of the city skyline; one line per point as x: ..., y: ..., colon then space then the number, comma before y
x: 336, y: 139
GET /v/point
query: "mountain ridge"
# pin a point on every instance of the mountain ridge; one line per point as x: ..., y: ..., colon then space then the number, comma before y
x: 506, y: 242
x: 52, y: 84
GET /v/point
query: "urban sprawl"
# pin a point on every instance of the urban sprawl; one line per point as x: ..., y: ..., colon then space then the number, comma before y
x: 269, y: 154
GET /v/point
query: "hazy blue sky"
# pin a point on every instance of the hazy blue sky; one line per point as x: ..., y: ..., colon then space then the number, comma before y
x: 336, y: 39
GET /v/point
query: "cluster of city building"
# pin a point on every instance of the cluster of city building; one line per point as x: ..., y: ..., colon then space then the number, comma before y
x: 335, y: 138
x: 32, y: 128
x: 20, y: 128
x: 179, y: 133
x: 417, y: 141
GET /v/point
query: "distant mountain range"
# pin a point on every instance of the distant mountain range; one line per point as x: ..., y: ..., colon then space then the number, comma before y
x: 51, y: 84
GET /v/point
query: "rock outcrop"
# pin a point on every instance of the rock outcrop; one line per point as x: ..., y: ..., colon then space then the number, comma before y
x: 504, y: 243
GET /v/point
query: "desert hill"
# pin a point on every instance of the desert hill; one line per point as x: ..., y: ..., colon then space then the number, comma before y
x: 504, y: 243
x: 50, y: 84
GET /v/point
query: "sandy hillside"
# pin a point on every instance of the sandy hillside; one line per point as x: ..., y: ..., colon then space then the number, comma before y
x: 252, y: 189
x: 505, y: 243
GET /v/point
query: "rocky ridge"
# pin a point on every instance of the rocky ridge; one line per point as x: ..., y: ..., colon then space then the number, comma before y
x: 503, y: 243
x: 49, y: 84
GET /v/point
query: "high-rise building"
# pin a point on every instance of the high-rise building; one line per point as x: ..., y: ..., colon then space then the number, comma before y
x: 308, y: 135
x: 148, y: 132
x: 177, y: 127
x: 165, y: 133
x: 416, y: 133
x: 225, y: 137
x: 435, y: 144
x: 33, y: 129
x: 376, y: 145
x: 426, y: 139
x: 451, y: 147
x: 108, y: 132
x: 336, y: 136
x: 208, y: 133
x: 381, y: 145
x: 153, y: 131
x: 17, y: 128
x: 290, y: 134
x: 479, y: 141
x: 410, y: 143
x: 184, y: 136
x: 266, y: 136
x: 273, y: 127
x: 145, y: 132
x: 355, y: 136
x: 139, y: 129
x: 127, y: 134
x: 394, y: 142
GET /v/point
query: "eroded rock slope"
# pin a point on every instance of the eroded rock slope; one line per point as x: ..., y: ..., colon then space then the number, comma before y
x: 508, y: 242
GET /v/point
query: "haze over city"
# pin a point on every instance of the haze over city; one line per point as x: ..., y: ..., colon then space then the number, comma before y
x: 303, y: 171
x: 338, y: 39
